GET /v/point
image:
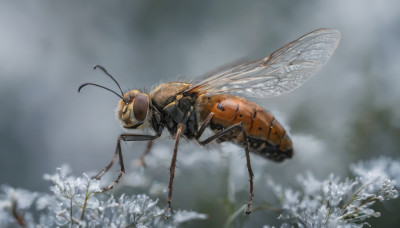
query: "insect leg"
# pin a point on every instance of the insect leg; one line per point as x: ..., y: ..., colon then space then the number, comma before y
x: 205, y: 124
x: 251, y: 175
x: 173, y: 165
x: 146, y: 151
x: 125, y: 137
x: 219, y: 134
x: 102, y: 172
x: 246, y: 149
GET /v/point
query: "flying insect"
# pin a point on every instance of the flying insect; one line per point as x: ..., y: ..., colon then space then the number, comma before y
x: 187, y: 109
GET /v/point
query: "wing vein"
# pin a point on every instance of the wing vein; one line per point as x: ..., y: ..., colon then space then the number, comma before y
x: 279, y: 73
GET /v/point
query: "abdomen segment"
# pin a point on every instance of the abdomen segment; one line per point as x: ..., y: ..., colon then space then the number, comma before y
x: 266, y: 135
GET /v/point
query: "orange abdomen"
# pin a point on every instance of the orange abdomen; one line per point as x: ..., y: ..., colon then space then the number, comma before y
x: 266, y: 135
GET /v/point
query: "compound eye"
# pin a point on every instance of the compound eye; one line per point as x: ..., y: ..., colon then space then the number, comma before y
x: 140, y: 106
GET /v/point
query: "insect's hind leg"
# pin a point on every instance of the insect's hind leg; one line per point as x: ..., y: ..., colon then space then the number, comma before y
x: 246, y: 148
x: 125, y: 137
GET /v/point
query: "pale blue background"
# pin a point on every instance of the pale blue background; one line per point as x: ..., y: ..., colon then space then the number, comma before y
x: 350, y: 111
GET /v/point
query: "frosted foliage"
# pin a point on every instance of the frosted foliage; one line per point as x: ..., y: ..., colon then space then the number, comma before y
x: 77, y: 202
x: 335, y: 202
x: 378, y: 170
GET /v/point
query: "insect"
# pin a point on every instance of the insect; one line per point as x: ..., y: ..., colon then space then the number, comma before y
x: 216, y: 102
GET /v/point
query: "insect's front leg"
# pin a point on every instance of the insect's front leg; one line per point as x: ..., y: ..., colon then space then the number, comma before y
x: 126, y: 138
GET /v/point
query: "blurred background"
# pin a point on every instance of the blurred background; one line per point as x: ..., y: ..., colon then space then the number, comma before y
x: 349, y: 112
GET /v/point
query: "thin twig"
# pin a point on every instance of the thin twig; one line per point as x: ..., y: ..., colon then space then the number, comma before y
x: 233, y: 216
x: 20, y: 219
x: 86, y: 199
x: 353, y: 197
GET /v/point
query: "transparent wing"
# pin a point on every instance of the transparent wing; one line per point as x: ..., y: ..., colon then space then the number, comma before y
x: 279, y: 73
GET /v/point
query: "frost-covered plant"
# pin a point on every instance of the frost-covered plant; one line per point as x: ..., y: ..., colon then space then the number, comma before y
x: 338, y: 203
x: 77, y: 202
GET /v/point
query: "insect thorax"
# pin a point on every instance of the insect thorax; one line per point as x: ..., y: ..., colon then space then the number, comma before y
x: 172, y: 109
